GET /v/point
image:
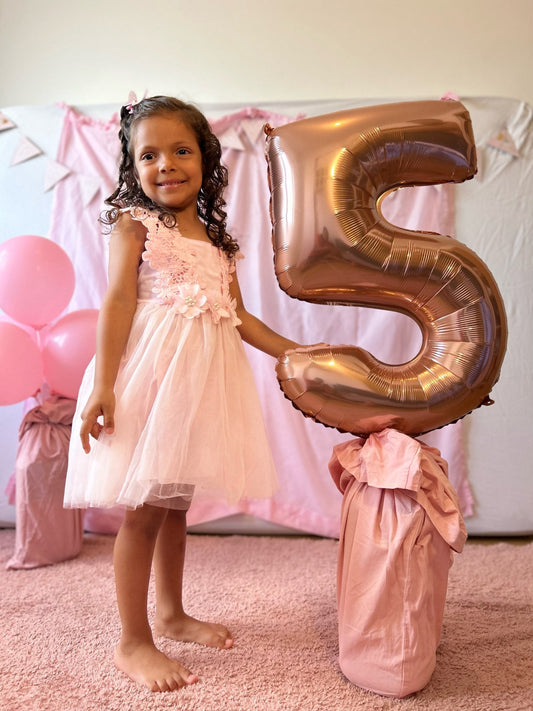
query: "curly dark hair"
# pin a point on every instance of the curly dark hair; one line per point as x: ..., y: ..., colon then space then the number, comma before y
x: 129, y: 193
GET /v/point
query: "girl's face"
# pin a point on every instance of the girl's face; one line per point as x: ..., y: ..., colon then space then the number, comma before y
x: 168, y: 162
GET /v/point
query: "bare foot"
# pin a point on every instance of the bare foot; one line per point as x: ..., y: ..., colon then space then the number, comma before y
x: 188, y: 629
x: 146, y: 665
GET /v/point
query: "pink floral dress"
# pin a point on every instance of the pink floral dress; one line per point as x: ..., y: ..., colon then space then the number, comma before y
x: 187, y: 411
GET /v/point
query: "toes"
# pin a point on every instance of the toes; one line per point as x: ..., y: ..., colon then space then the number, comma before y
x: 226, y: 640
x: 177, y: 679
x: 171, y: 683
x: 161, y: 685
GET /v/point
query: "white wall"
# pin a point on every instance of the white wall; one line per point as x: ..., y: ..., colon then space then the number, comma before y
x: 95, y: 51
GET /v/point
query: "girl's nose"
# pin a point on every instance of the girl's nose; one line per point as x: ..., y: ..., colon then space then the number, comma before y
x: 166, y: 164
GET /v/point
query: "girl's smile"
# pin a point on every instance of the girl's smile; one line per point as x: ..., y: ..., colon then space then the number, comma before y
x: 168, y: 162
x: 170, y: 183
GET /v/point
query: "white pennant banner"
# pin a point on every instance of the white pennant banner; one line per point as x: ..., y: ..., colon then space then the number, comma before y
x: 24, y: 151
x: 89, y: 187
x: 54, y: 173
x: 253, y: 128
x: 230, y: 139
x: 5, y: 122
x: 503, y: 141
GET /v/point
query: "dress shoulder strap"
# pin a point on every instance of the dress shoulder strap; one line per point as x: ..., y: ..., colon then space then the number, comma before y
x: 149, y: 218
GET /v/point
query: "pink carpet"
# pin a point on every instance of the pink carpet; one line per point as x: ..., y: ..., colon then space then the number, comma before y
x: 277, y: 595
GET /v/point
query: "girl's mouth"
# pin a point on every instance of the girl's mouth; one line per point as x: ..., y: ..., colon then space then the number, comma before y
x: 170, y: 183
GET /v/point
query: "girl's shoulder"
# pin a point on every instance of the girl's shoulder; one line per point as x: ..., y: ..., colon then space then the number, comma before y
x: 147, y: 217
x: 129, y: 228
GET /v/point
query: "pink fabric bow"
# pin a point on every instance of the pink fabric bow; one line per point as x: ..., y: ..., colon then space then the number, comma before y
x: 391, y: 460
x: 133, y: 101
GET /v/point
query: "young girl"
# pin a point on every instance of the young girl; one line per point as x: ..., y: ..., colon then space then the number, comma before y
x: 169, y: 398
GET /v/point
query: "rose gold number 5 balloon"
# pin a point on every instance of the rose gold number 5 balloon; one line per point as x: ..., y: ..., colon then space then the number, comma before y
x: 332, y: 245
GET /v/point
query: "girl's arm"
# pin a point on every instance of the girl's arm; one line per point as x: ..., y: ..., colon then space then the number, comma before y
x: 114, y: 324
x: 254, y: 331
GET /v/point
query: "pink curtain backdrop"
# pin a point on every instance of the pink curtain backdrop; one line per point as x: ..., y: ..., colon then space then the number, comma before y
x: 307, y: 499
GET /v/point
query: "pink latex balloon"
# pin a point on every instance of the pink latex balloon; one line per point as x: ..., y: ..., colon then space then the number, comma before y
x: 20, y: 364
x: 68, y: 346
x: 328, y: 176
x: 36, y: 279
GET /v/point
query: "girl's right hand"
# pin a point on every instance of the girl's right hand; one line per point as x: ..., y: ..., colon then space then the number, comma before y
x: 99, y: 404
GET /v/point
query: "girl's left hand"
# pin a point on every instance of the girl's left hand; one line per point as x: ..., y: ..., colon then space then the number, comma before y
x: 98, y: 405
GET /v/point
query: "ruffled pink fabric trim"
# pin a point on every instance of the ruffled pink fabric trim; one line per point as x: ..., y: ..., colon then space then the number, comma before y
x: 392, y: 460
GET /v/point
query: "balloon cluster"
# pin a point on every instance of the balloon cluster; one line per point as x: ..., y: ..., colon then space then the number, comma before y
x: 36, y: 347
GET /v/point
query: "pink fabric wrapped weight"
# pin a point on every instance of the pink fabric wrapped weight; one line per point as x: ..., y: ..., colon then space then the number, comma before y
x: 45, y: 532
x: 400, y: 518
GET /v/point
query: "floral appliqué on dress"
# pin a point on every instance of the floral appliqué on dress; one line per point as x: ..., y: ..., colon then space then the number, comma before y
x: 176, y: 259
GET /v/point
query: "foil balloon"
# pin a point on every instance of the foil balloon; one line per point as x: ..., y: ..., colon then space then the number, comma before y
x: 328, y: 177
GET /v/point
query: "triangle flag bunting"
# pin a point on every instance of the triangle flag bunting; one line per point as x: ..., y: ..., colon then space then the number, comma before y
x: 230, y: 139
x: 253, y: 128
x: 89, y: 187
x: 54, y: 173
x: 503, y: 141
x: 24, y: 151
x: 5, y: 122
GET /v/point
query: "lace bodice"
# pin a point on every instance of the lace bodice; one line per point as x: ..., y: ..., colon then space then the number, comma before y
x: 191, y: 276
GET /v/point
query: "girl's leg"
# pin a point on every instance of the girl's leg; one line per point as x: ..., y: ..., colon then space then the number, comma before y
x: 171, y: 619
x: 136, y: 653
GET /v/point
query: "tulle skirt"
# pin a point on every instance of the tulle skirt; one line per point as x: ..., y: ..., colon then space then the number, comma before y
x: 187, y: 414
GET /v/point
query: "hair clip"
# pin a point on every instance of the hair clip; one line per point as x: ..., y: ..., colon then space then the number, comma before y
x: 133, y: 101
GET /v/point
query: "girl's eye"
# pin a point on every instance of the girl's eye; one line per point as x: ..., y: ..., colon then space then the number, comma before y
x: 147, y: 156
x: 183, y: 151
